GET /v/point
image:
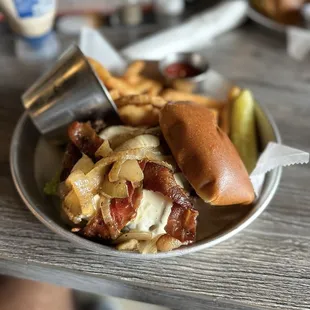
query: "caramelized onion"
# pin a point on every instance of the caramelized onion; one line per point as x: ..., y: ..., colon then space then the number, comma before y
x: 104, y: 203
x: 167, y: 243
x: 129, y: 245
x: 117, y: 135
x: 85, y: 164
x: 114, y: 189
x: 104, y: 150
x: 148, y: 247
x: 128, y: 171
x: 138, y: 235
x: 81, y: 187
x: 72, y: 208
x: 96, y: 175
x: 139, y: 142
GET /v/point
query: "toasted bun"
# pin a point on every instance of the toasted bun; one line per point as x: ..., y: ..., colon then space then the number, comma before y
x: 205, y: 154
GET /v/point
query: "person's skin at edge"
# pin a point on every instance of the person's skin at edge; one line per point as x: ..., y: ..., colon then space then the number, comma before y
x: 21, y: 294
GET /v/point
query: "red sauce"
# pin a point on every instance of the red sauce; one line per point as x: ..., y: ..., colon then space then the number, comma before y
x: 181, y: 70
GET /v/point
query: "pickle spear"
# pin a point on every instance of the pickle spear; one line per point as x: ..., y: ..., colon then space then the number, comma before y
x: 243, y: 129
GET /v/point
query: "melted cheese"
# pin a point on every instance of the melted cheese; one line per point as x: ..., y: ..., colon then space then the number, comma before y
x: 152, y: 214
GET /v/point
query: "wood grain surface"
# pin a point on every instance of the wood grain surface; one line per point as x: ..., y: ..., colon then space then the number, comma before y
x: 265, y: 266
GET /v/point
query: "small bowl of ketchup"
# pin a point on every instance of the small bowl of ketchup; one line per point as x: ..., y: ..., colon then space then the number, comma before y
x: 189, y: 66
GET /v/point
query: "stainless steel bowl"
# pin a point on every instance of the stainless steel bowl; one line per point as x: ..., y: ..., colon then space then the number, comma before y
x: 265, y: 21
x: 195, y: 59
x: 69, y: 91
x: 208, y: 82
x: 33, y: 162
x: 275, y: 26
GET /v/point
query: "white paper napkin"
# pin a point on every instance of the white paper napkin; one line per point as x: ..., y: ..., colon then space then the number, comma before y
x: 95, y: 45
x: 298, y: 42
x: 191, y: 35
x: 275, y: 155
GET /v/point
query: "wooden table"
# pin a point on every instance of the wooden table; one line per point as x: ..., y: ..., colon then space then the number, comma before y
x: 265, y: 266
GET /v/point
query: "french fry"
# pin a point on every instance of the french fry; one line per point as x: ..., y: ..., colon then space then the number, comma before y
x: 134, y: 79
x: 135, y: 68
x: 101, y: 71
x: 145, y: 115
x: 225, y: 116
x: 243, y: 130
x: 143, y: 85
x: 155, y: 88
x: 133, y: 71
x: 148, y: 86
x: 183, y: 85
x: 122, y: 86
x: 141, y: 100
x: 234, y: 93
x: 174, y: 95
x: 114, y: 93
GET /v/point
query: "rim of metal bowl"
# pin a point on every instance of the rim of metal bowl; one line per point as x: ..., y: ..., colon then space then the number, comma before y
x: 267, y: 195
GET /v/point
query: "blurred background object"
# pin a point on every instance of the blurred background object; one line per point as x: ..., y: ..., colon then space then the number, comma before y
x: 19, y: 294
x: 283, y: 11
x: 32, y: 23
x: 175, y: 7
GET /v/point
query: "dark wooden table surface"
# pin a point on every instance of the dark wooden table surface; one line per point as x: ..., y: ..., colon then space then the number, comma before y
x: 265, y: 266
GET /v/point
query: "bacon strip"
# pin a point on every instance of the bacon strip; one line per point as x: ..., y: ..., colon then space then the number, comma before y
x: 85, y: 138
x: 71, y: 156
x: 182, y: 220
x: 96, y: 227
x: 122, y: 211
x: 160, y: 179
x: 182, y: 223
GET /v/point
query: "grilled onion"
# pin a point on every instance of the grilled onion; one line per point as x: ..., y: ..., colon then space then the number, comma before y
x: 129, y: 245
x: 167, y: 243
x: 148, y: 247
x: 128, y: 170
x: 83, y: 190
x: 85, y: 164
x: 117, y: 135
x: 117, y: 189
x: 138, y: 235
x: 142, y: 141
x: 104, y: 203
x: 96, y: 175
x: 104, y: 150
x: 72, y: 208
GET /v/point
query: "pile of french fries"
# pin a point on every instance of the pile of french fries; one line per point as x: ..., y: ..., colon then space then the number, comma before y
x: 139, y: 98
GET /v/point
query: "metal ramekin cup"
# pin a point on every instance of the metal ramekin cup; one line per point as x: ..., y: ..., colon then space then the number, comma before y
x: 70, y: 91
x: 195, y: 59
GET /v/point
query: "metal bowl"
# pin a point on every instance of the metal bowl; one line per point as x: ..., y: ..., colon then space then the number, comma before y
x: 34, y: 161
x: 195, y: 59
x: 265, y: 21
x: 271, y: 24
